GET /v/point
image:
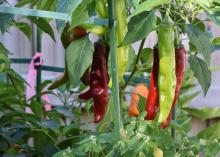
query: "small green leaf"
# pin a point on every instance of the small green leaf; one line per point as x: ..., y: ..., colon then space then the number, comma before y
x: 216, y: 41
x: 36, y: 108
x: 6, y: 21
x: 43, y: 25
x: 25, y: 28
x: 139, y: 27
x: 204, y: 113
x: 17, y: 81
x: 131, y: 59
x: 147, y: 58
x: 201, y: 72
x: 200, y: 40
x: 4, y: 50
x: 79, y: 57
x: 149, y: 5
x: 211, y: 132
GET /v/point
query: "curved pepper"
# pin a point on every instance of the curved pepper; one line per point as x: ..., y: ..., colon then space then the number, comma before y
x: 180, y: 55
x: 121, y: 30
x: 167, y: 76
x: 67, y: 38
x: 152, y: 99
x: 98, y: 81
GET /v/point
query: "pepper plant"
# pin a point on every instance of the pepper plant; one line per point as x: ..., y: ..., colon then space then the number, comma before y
x: 102, y: 67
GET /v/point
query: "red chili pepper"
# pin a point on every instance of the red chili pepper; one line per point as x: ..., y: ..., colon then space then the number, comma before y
x: 152, y: 99
x: 180, y: 55
x: 98, y: 81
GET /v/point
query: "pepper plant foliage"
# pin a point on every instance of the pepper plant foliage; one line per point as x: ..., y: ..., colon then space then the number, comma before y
x: 62, y: 131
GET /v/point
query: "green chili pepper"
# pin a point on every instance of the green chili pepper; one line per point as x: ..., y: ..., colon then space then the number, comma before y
x: 167, y: 76
x: 121, y: 30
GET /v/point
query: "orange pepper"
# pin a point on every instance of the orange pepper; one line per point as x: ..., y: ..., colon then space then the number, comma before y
x: 142, y: 90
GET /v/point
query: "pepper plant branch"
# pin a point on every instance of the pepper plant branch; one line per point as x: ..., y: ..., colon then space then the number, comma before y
x: 136, y: 62
x: 114, y: 68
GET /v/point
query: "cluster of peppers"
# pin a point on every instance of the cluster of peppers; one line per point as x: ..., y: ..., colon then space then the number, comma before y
x: 166, y: 77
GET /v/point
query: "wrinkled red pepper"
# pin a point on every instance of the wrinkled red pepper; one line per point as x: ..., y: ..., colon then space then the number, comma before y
x: 180, y: 55
x: 153, y: 96
x: 98, y: 82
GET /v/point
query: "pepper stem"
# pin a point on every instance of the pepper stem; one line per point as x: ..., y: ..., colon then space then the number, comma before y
x: 114, y: 69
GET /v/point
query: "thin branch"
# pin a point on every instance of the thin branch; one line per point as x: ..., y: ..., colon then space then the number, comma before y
x: 136, y: 62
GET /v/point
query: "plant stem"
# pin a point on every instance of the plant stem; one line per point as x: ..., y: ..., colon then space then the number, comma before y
x: 114, y: 68
x: 136, y: 62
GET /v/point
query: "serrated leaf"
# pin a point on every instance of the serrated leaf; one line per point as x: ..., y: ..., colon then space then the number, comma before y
x: 204, y: 113
x: 149, y: 5
x: 25, y: 28
x: 211, y: 132
x: 6, y: 21
x: 79, y: 14
x: 43, y: 25
x: 139, y: 27
x: 200, y: 40
x: 201, y: 72
x: 79, y: 57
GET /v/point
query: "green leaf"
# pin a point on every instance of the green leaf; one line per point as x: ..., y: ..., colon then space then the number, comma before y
x: 48, y: 5
x: 216, y: 41
x: 211, y: 132
x: 79, y: 14
x: 43, y: 25
x: 4, y: 50
x: 17, y: 81
x: 79, y: 57
x: 147, y: 58
x: 6, y: 21
x: 149, y: 5
x: 139, y: 27
x: 36, y: 108
x: 204, y: 113
x: 131, y: 59
x: 25, y: 28
x: 200, y: 40
x: 24, y: 2
x: 201, y: 72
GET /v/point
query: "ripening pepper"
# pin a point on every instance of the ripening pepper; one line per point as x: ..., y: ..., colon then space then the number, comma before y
x: 180, y: 55
x: 167, y: 76
x: 140, y: 90
x: 153, y: 96
x: 98, y: 83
